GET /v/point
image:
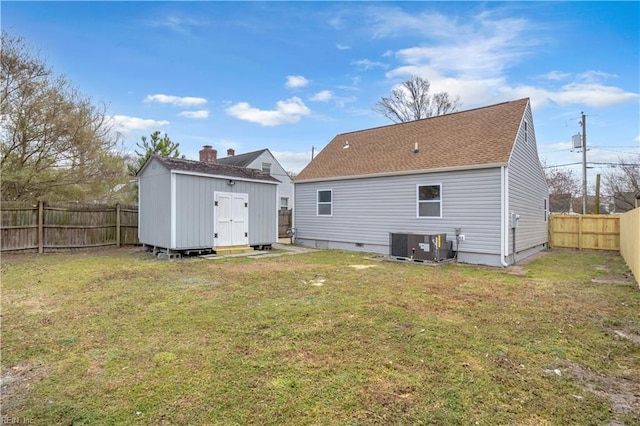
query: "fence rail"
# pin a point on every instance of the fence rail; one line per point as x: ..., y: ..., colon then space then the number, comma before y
x: 41, y: 226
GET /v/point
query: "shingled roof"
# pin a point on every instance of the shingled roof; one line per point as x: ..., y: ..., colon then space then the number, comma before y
x: 470, y: 138
x: 212, y: 169
x: 241, y: 160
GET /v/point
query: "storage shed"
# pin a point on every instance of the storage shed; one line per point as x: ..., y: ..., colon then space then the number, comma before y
x: 199, y: 206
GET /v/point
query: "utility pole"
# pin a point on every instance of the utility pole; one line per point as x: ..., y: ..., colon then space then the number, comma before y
x: 584, y: 162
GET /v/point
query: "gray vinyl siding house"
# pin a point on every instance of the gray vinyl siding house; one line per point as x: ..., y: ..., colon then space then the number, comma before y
x: 178, y: 201
x: 265, y: 161
x: 374, y: 180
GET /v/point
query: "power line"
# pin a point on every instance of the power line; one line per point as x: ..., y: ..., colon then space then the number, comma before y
x: 593, y: 163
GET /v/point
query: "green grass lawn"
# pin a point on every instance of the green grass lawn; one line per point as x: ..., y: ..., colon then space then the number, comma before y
x: 328, y: 337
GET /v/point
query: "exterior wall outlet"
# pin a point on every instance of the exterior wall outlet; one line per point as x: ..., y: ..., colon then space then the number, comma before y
x: 461, y: 237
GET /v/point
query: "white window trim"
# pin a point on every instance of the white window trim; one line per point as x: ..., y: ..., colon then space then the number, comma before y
x: 428, y: 201
x: 281, y: 205
x: 318, y: 202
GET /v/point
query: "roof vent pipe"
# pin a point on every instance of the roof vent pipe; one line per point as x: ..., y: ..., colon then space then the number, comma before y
x: 415, y: 148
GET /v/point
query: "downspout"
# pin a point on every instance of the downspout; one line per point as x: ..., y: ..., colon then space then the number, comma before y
x: 504, y: 196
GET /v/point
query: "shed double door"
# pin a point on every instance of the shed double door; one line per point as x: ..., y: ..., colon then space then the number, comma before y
x: 231, y: 219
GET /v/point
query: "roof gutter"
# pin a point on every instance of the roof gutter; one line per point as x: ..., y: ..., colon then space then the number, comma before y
x: 504, y: 199
x: 407, y: 172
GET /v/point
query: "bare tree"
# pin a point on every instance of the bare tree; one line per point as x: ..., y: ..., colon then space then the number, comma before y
x: 623, y: 183
x: 413, y: 100
x: 564, y: 186
x: 54, y: 142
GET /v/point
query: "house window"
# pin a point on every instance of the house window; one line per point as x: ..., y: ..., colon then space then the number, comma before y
x: 546, y: 210
x: 266, y: 168
x: 430, y: 200
x: 325, y: 202
x: 284, y: 203
x: 526, y: 133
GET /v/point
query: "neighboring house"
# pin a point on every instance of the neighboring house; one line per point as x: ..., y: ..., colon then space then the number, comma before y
x: 264, y: 161
x: 196, y: 206
x: 466, y: 173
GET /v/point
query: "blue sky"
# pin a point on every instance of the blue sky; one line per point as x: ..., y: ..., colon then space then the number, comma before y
x: 289, y: 76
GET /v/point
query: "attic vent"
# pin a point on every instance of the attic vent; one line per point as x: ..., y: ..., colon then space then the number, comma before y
x: 346, y: 145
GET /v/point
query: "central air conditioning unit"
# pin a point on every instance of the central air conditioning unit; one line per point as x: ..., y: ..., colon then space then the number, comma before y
x: 420, y: 247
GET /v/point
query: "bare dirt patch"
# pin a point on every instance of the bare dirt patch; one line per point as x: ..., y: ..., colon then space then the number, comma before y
x: 16, y: 383
x: 622, y: 279
x: 623, y: 393
x: 627, y: 335
x: 360, y: 267
x: 612, y: 275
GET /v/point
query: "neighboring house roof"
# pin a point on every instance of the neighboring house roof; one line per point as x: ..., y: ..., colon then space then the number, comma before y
x: 475, y: 137
x: 241, y: 160
x: 211, y: 169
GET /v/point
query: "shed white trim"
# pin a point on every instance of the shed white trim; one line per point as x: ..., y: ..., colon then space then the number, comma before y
x: 183, y: 172
x: 173, y: 211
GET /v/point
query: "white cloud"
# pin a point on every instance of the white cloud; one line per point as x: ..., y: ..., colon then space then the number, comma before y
x: 201, y: 114
x: 594, y: 76
x: 342, y: 47
x: 556, y: 75
x: 175, y: 23
x: 126, y: 124
x: 186, y: 101
x: 292, y: 161
x: 288, y: 111
x: 322, y: 96
x: 592, y: 94
x: 295, y: 81
x: 367, y: 64
x: 470, y: 60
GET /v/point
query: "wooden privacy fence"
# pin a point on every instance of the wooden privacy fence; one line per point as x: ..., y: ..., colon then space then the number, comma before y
x: 595, y: 232
x: 630, y: 240
x: 284, y: 222
x: 58, y: 226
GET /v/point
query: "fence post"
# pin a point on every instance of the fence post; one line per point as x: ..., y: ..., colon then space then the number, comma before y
x: 117, y: 224
x: 40, y: 226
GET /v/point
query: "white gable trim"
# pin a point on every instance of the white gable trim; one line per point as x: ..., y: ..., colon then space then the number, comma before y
x: 183, y: 172
x: 174, y: 212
